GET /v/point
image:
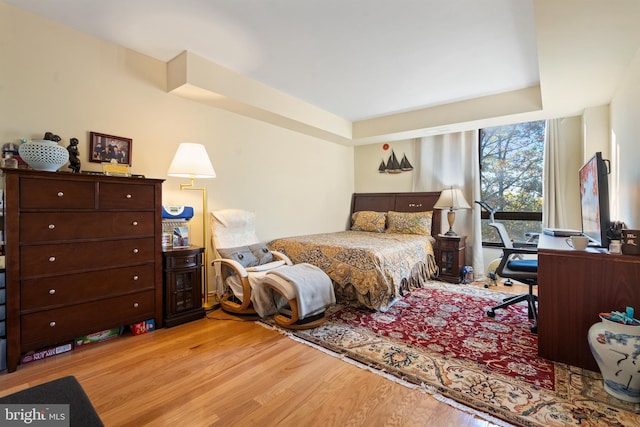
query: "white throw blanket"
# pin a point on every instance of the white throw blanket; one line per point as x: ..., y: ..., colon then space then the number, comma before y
x: 312, y: 286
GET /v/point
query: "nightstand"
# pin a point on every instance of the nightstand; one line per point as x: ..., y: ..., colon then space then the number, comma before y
x: 182, y: 269
x: 450, y: 256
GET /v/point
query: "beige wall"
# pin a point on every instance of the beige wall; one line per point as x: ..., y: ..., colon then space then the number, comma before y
x: 54, y: 78
x: 571, y: 151
x: 367, y: 160
x: 625, y: 147
x: 595, y: 122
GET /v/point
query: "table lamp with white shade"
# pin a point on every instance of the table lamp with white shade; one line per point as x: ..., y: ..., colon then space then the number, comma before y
x: 452, y: 199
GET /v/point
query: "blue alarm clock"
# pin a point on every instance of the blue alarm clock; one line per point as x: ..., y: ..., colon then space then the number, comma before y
x: 183, y: 213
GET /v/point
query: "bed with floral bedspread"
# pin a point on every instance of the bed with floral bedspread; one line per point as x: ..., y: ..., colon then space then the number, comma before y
x: 382, y: 256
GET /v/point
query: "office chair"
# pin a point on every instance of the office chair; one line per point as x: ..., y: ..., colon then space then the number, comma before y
x: 513, y: 265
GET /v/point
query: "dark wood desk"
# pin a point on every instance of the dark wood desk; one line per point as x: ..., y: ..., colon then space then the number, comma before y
x: 573, y: 287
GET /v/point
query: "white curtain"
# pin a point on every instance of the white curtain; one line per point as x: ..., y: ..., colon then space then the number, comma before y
x: 453, y: 160
x: 554, y: 176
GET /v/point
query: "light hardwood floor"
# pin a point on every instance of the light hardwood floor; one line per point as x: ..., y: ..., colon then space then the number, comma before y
x: 222, y: 371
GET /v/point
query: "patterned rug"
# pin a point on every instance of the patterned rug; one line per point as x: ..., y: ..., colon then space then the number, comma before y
x: 439, y: 339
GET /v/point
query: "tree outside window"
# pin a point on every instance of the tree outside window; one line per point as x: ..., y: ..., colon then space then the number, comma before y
x: 511, y: 164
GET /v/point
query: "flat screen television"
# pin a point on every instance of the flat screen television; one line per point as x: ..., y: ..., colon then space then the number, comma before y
x: 594, y: 200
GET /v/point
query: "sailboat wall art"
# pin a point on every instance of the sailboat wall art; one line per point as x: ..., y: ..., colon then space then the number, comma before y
x: 405, y: 165
x: 394, y: 166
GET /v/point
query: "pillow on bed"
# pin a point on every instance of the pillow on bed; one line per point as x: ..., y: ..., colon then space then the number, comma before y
x: 241, y: 254
x: 368, y: 221
x: 260, y: 251
x: 409, y: 222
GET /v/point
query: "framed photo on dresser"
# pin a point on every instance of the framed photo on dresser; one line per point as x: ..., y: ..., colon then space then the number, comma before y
x: 109, y: 148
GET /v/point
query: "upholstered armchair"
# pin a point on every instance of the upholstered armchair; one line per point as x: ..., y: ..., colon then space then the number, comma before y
x: 252, y: 279
x: 241, y: 259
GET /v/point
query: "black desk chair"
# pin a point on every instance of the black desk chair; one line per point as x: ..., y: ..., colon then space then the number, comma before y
x: 514, y: 266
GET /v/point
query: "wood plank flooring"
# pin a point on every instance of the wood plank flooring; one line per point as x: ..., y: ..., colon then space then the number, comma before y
x: 222, y: 371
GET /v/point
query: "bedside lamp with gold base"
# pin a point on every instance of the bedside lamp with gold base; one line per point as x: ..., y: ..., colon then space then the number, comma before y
x: 452, y: 199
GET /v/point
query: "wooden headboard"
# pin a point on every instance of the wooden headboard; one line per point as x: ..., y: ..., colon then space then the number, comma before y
x: 399, y: 202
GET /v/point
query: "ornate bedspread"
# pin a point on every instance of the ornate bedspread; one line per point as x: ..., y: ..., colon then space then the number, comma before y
x: 375, y: 268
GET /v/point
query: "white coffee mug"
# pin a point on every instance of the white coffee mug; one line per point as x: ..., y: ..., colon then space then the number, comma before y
x: 579, y: 243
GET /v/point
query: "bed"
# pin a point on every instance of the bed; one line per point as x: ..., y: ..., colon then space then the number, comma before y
x: 387, y: 251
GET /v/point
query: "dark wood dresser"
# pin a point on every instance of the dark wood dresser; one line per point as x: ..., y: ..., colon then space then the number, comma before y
x: 83, y: 255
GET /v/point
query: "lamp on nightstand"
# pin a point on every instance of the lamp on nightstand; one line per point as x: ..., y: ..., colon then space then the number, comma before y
x: 192, y: 161
x: 451, y: 198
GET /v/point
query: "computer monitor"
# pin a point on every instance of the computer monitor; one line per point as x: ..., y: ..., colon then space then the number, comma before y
x: 594, y: 200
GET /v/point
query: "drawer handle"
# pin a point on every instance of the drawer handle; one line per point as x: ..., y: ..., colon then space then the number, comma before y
x: 129, y: 196
x: 52, y: 324
x: 60, y: 194
x: 52, y: 291
x: 135, y: 223
x: 135, y: 304
x: 135, y: 251
x: 52, y: 226
x: 52, y: 259
x: 136, y: 277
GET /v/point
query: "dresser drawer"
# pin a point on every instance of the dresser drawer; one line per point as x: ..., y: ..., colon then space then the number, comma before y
x: 56, y: 194
x: 126, y: 196
x: 50, y: 326
x: 49, y: 292
x: 61, y: 259
x: 43, y: 227
x: 183, y: 261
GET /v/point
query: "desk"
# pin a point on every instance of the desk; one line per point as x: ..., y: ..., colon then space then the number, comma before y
x: 574, y: 286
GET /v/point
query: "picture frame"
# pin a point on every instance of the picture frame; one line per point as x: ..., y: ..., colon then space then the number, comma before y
x: 181, y: 237
x: 109, y: 148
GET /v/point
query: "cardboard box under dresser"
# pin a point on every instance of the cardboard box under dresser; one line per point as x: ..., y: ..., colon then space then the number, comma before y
x: 83, y: 255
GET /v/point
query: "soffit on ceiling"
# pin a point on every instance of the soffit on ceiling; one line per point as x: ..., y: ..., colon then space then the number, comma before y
x: 357, y: 59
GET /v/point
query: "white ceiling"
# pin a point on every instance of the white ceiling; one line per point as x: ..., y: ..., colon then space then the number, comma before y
x: 364, y: 59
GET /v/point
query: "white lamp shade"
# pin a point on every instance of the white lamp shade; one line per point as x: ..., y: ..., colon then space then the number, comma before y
x: 451, y: 198
x: 191, y: 161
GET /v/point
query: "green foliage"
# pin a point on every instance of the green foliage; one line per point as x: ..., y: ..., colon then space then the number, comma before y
x: 511, y: 159
x: 511, y: 164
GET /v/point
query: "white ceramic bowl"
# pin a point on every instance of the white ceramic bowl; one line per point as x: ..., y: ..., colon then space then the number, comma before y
x: 44, y: 155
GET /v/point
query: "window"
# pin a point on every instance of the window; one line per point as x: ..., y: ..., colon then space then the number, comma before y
x: 511, y: 164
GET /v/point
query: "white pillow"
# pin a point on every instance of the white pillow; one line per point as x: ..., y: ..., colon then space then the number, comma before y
x: 232, y: 228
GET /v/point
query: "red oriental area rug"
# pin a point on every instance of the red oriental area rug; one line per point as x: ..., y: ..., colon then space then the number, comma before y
x: 454, y: 325
x: 439, y: 339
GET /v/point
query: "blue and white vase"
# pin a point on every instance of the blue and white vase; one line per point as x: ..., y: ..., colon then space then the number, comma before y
x: 616, y: 348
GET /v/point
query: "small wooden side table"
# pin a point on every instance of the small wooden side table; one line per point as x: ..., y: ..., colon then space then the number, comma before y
x: 450, y: 256
x: 182, y: 269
